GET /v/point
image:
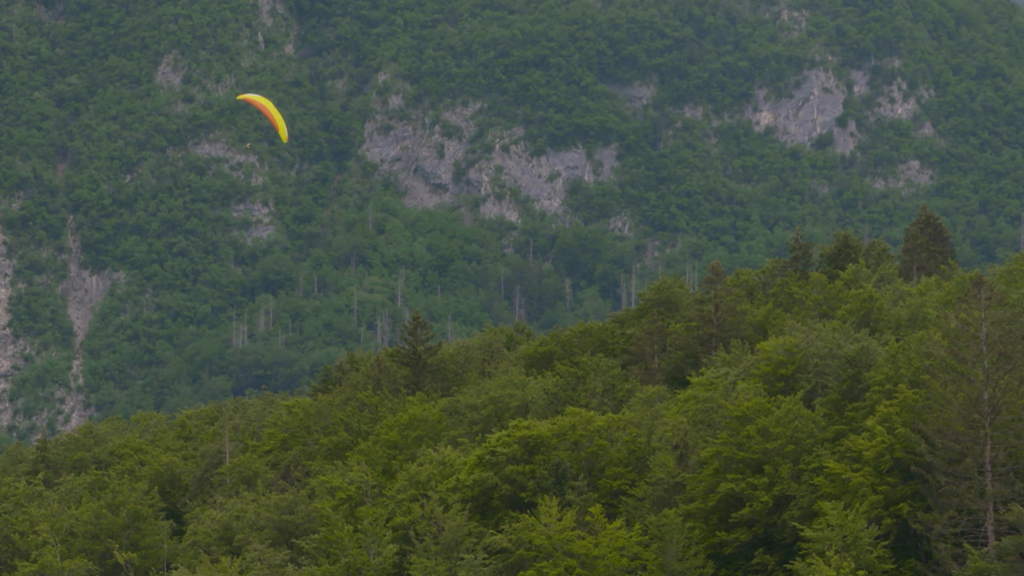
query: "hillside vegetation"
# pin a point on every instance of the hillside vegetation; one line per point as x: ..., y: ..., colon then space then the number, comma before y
x: 216, y: 260
x: 817, y: 416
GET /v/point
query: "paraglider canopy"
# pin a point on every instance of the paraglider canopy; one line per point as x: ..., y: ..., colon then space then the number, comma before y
x: 269, y: 110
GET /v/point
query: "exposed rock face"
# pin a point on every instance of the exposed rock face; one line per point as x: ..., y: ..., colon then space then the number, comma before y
x: 809, y: 113
x: 219, y: 149
x: 83, y: 291
x: 813, y: 108
x: 266, y: 7
x: 792, y: 22
x: 504, y: 208
x: 430, y: 160
x: 425, y: 161
x: 695, y: 112
x: 421, y: 158
x: 56, y: 14
x: 621, y: 225
x: 11, y: 350
x: 259, y: 215
x: 637, y: 94
x: 845, y: 138
x: 860, y: 82
x: 169, y: 73
x: 896, y: 102
x: 909, y: 177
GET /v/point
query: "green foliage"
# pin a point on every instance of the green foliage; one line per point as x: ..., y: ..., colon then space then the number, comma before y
x: 926, y: 247
x: 144, y: 160
x: 416, y: 350
x: 552, y: 541
x: 844, y: 252
x: 801, y: 253
x: 775, y: 420
x: 842, y: 431
x: 841, y: 543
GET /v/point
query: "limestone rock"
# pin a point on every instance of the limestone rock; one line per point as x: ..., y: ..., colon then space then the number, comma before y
x: 430, y: 163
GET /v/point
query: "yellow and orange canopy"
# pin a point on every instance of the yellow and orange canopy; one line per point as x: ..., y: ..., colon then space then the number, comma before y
x: 269, y: 110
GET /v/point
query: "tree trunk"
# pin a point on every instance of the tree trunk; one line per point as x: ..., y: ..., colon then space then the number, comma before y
x: 990, y: 507
x: 632, y: 299
x: 972, y: 426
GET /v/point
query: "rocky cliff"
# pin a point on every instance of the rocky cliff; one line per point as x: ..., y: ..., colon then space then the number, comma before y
x: 11, y: 349
x: 83, y: 291
x: 434, y: 162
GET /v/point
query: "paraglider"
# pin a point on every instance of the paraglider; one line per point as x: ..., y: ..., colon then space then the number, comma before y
x: 269, y: 110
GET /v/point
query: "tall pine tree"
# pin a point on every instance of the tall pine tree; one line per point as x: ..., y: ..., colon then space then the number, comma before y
x: 801, y: 253
x: 844, y: 252
x: 416, y: 349
x: 926, y: 246
x: 719, y: 315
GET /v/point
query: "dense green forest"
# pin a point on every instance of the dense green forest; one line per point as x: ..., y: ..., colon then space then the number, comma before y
x: 122, y: 116
x: 832, y: 413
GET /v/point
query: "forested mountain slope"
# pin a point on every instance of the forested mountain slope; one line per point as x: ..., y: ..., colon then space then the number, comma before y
x: 806, y: 418
x: 164, y: 249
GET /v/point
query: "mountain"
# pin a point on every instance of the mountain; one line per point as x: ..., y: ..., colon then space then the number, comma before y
x: 481, y: 161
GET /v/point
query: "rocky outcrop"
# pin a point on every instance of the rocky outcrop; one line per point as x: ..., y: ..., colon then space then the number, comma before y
x: 259, y: 217
x: 267, y: 8
x: 694, y: 112
x: 637, y: 94
x: 234, y: 159
x: 810, y: 112
x: 170, y: 72
x: 11, y: 349
x: 789, y: 21
x: 432, y: 163
x: 845, y: 138
x: 910, y: 176
x: 432, y: 160
x: 621, y: 225
x: 222, y: 150
x: 860, y: 82
x: 267, y: 11
x: 817, y: 103
x: 895, y: 102
x: 55, y: 14
x: 83, y: 291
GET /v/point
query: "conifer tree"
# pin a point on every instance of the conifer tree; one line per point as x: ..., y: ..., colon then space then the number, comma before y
x: 926, y: 246
x: 844, y: 252
x: 416, y: 349
x: 877, y: 254
x: 801, y: 253
x: 719, y: 317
